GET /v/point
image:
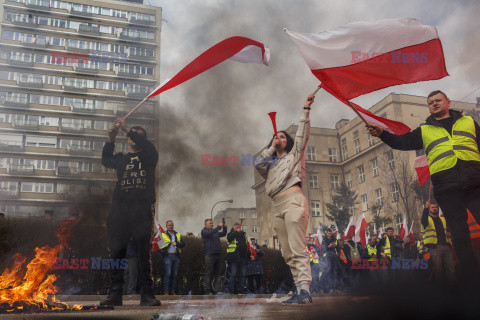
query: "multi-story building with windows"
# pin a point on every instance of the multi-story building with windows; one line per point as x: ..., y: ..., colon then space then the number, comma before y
x: 369, y: 167
x: 232, y: 215
x: 67, y: 69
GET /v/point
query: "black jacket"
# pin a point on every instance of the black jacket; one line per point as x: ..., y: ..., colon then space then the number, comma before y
x: 135, y: 171
x: 242, y: 250
x: 211, y: 240
x: 464, y: 175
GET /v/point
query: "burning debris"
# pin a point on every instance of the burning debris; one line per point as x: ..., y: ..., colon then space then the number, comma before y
x: 29, y: 288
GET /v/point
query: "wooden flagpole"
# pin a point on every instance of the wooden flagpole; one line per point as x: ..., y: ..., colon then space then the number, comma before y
x: 135, y: 108
x: 430, y: 190
x: 358, y: 113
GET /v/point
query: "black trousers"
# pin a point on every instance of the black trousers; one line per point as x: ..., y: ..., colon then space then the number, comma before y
x: 213, y: 266
x: 454, y: 205
x: 130, y: 220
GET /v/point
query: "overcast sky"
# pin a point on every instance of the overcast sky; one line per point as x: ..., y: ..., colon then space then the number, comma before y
x: 224, y: 111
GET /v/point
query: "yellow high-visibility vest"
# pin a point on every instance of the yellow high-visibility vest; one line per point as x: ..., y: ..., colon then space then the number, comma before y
x: 444, y: 148
x: 167, y: 239
x: 430, y: 234
x: 372, y: 250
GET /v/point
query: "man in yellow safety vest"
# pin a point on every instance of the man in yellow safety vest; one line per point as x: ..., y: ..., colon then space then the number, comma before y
x: 451, y: 143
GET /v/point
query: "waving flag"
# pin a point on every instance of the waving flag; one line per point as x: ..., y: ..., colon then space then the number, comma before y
x: 360, y: 232
x: 349, y: 230
x: 364, y: 56
x: 235, y: 48
x: 423, y: 171
x: 403, y: 231
x: 158, y: 240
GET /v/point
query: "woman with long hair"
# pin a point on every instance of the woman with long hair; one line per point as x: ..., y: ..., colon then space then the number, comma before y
x: 283, y: 168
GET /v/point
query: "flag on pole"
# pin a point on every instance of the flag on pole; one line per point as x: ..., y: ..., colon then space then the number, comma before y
x: 422, y: 169
x: 158, y: 240
x: 319, y: 238
x: 403, y: 231
x: 235, y: 48
x: 349, y: 230
x: 375, y: 229
x: 360, y: 231
x: 365, y: 56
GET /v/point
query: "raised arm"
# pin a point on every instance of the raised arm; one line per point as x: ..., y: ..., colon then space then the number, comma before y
x: 108, y: 159
x: 303, y: 131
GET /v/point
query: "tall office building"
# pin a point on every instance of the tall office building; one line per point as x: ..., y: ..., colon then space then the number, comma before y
x: 67, y: 69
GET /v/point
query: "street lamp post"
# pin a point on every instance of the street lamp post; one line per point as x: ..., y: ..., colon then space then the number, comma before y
x: 211, y: 212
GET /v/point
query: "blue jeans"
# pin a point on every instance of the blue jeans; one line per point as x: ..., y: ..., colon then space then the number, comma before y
x: 237, y: 275
x: 170, y: 263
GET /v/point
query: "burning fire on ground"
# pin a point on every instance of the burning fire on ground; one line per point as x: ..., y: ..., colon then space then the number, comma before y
x: 26, y: 289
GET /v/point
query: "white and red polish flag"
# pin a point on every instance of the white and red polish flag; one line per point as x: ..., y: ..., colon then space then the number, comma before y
x: 319, y: 238
x: 403, y: 231
x: 237, y: 48
x: 423, y: 171
x: 364, y: 56
x: 349, y: 230
x: 360, y: 231
x: 158, y: 240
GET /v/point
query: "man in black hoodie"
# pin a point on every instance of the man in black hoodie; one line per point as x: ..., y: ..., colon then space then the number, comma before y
x: 132, y: 208
x: 213, y: 252
x: 451, y: 142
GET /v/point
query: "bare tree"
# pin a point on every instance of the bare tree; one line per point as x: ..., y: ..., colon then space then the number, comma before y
x: 398, y: 175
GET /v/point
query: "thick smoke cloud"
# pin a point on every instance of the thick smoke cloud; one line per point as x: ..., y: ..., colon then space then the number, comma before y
x: 224, y: 111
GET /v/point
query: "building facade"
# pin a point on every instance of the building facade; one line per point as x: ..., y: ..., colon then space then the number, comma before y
x: 380, y: 176
x: 67, y: 69
x: 235, y: 215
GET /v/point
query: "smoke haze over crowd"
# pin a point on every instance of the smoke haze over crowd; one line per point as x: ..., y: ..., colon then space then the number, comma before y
x: 224, y: 110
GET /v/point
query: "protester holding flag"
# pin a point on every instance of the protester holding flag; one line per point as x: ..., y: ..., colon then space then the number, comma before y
x: 255, y: 268
x: 132, y: 208
x: 314, y: 255
x: 451, y: 142
x: 290, y: 209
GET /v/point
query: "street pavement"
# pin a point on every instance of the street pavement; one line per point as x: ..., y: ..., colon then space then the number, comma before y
x: 215, y: 307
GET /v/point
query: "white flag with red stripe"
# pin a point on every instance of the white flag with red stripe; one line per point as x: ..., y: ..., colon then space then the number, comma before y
x: 319, y: 238
x: 158, y: 240
x: 422, y: 169
x: 349, y: 230
x: 360, y: 231
x: 364, y: 56
x: 403, y: 231
x: 235, y: 48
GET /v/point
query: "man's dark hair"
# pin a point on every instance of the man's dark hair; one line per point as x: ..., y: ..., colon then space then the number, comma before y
x: 168, y: 222
x: 328, y: 230
x: 389, y: 228
x: 139, y: 128
x: 236, y: 224
x: 207, y: 220
x: 437, y: 92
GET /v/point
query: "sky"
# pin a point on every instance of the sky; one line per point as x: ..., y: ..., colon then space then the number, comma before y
x: 224, y: 110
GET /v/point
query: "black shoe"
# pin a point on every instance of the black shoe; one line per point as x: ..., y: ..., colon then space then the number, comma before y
x: 303, y: 298
x: 291, y: 300
x: 148, y: 299
x: 113, y: 299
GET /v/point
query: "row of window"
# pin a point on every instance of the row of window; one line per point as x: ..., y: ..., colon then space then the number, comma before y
x: 76, y: 7
x: 335, y: 178
x: 25, y: 57
x: 43, y: 187
x: 33, y: 79
x: 70, y: 24
x: 66, y: 167
x: 20, y: 141
x: 75, y: 103
x: 63, y: 123
x: 243, y: 215
x: 119, y: 49
x: 315, y: 205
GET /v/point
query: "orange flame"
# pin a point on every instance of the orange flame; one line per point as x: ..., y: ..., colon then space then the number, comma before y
x: 35, y: 286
